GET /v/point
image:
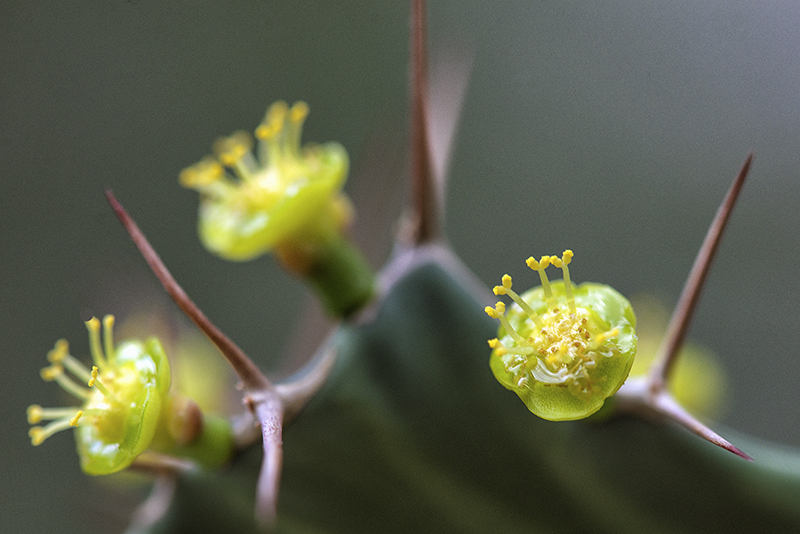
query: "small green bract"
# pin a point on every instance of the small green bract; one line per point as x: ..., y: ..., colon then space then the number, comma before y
x: 563, y: 349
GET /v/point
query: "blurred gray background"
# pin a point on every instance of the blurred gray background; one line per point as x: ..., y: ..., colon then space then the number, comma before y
x: 610, y: 128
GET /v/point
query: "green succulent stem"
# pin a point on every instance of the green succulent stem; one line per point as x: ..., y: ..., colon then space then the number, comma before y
x: 335, y: 270
x: 213, y: 447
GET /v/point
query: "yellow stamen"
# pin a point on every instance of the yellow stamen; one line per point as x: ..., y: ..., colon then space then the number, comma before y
x: 540, y: 266
x: 505, y: 289
x: 95, y: 382
x: 60, y: 350
x: 38, y: 434
x: 269, y: 133
x: 49, y: 374
x: 202, y: 174
x: 75, y: 367
x: 498, y: 313
x: 34, y: 414
x: 108, y: 336
x: 37, y: 414
x: 56, y: 372
x: 230, y: 150
x: 566, y: 258
x: 294, y: 132
x: 93, y: 326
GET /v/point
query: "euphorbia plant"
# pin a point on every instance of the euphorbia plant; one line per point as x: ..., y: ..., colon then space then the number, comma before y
x: 399, y: 425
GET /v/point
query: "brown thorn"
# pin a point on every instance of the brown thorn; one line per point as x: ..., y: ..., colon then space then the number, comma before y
x: 155, y: 506
x: 637, y: 397
x: 684, y: 311
x: 669, y: 407
x: 250, y: 375
x: 269, y: 412
x: 423, y: 186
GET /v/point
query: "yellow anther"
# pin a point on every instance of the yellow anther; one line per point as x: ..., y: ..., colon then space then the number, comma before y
x: 95, y: 382
x: 542, y: 264
x: 555, y: 260
x: 499, y: 290
x: 206, y: 172
x: 506, y: 281
x: 299, y: 112
x: 51, y: 373
x: 491, y: 312
x: 74, y: 420
x: 276, y: 113
x: 34, y: 414
x: 230, y: 150
x: 266, y: 131
x: 58, y: 353
x: 500, y: 307
x: 494, y: 343
x: 37, y: 435
x: 605, y: 336
x: 566, y: 257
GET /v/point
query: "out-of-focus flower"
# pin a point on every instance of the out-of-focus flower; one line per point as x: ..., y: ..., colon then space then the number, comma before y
x: 284, y: 193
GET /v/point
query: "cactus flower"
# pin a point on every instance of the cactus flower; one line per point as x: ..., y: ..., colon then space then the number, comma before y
x: 122, y: 397
x: 252, y: 203
x: 563, y: 349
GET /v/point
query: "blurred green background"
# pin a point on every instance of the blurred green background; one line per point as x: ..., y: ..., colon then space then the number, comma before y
x: 610, y: 128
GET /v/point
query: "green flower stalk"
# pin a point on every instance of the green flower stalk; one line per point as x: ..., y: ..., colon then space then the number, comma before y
x: 285, y: 199
x: 563, y: 349
x: 127, y: 407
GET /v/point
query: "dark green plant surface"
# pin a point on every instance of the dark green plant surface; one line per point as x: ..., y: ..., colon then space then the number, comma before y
x: 411, y: 434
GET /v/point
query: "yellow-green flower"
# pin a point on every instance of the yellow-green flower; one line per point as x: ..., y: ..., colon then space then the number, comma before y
x: 563, y: 349
x: 251, y: 203
x: 122, y: 396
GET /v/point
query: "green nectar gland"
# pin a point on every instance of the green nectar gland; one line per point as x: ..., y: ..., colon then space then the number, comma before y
x: 121, y: 395
x: 563, y: 349
x: 253, y: 202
